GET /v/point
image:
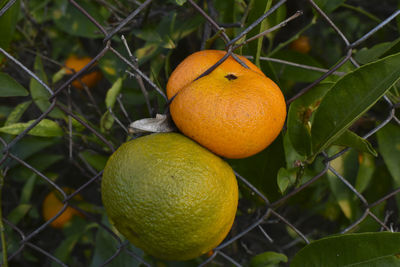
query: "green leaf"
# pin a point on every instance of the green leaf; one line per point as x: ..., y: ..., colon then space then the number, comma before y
x: 106, y: 121
x: 268, y: 259
x: 45, y: 128
x: 105, y: 247
x: 262, y: 169
x: 8, y: 22
x: 274, y: 19
x: 69, y: 19
x: 263, y: 26
x: 165, y: 36
x: 64, y: 250
x: 59, y: 75
x: 30, y: 145
x: 183, y: 28
x: 329, y: 5
x: 146, y: 52
x: 180, y: 2
x: 76, y: 125
x: 38, y: 9
x: 148, y: 34
x: 362, y: 250
x: 345, y: 165
x: 40, y: 95
x: 112, y: 67
x: 389, y: 147
x: 5, y: 112
x: 350, y: 97
x: 350, y: 139
x: 256, y: 9
x: 365, y: 172
x: 95, y: 160
x: 113, y: 92
x: 75, y: 231
x: 41, y: 161
x: 28, y: 188
x: 16, y: 215
x: 300, y: 115
x: 393, y: 49
x: 367, y: 55
x: 293, y: 159
x: 286, y: 178
x: 17, y: 112
x: 10, y: 87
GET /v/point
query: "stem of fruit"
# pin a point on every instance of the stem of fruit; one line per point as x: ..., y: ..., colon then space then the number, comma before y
x: 3, y: 238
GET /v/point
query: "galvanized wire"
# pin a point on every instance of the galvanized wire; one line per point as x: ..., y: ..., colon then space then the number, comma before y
x: 269, y: 210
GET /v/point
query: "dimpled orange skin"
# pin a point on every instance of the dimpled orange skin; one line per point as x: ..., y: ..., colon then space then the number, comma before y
x: 235, y: 112
x: 75, y: 63
x: 197, y: 63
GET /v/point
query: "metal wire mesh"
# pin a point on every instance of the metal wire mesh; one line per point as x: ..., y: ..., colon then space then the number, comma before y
x: 266, y: 223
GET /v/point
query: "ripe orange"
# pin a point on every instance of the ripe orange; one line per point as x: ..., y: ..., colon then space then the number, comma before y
x: 169, y: 196
x: 52, y: 205
x: 234, y: 111
x: 77, y: 63
x: 301, y: 44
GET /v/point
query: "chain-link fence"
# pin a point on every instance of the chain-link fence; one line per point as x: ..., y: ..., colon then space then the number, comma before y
x: 262, y: 224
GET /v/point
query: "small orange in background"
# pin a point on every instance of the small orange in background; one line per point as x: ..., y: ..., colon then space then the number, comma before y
x: 52, y: 204
x: 77, y: 63
x: 301, y: 45
x: 210, y: 253
x: 234, y: 111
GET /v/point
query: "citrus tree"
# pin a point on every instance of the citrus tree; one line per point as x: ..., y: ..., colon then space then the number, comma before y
x: 297, y: 99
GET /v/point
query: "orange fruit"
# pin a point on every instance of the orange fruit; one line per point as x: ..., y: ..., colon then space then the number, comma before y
x: 169, y: 196
x: 197, y: 63
x: 77, y: 63
x: 52, y: 204
x: 235, y: 112
x: 301, y: 44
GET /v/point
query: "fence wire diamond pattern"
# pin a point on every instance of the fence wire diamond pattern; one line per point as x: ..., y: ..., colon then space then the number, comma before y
x: 274, y: 225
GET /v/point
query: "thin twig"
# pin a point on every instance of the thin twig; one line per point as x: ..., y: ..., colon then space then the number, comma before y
x: 307, y: 67
x: 121, y: 106
x: 91, y: 98
x: 138, y: 78
x: 117, y: 120
x: 137, y: 70
x: 126, y: 20
x: 254, y: 24
x: 276, y: 27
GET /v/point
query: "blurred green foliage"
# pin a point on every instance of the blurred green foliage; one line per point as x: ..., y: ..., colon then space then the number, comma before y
x: 332, y: 116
